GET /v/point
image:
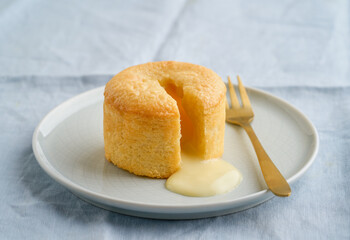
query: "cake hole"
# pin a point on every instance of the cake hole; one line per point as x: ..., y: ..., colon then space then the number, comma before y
x: 187, y: 127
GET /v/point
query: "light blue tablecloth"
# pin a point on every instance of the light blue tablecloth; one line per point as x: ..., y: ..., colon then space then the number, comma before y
x: 53, y: 50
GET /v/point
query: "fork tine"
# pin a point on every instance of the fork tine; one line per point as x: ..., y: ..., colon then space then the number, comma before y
x: 233, y: 96
x: 243, y: 93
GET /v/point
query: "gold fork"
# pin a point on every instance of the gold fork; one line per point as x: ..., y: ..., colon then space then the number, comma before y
x: 242, y: 116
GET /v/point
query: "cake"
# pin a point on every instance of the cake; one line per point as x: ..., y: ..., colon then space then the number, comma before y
x: 153, y: 110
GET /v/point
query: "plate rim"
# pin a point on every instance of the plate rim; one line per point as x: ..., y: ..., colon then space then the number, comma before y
x: 149, y: 207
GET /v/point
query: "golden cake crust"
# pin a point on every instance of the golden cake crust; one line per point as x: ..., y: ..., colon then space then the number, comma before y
x: 143, y: 107
x: 140, y: 89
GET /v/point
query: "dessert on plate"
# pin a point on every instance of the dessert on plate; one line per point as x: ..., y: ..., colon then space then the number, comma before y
x: 153, y: 111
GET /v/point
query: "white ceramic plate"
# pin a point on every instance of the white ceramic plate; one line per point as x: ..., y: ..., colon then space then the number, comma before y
x: 68, y: 144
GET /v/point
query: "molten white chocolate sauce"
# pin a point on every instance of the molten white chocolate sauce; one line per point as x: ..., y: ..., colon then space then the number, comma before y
x: 203, y: 178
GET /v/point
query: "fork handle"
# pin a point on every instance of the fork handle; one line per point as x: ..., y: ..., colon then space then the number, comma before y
x: 273, y: 178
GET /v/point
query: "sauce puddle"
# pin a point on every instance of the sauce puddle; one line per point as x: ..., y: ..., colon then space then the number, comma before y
x: 203, y: 178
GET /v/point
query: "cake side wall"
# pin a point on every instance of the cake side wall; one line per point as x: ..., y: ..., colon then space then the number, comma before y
x: 209, y: 128
x: 214, y: 132
x: 146, y: 146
